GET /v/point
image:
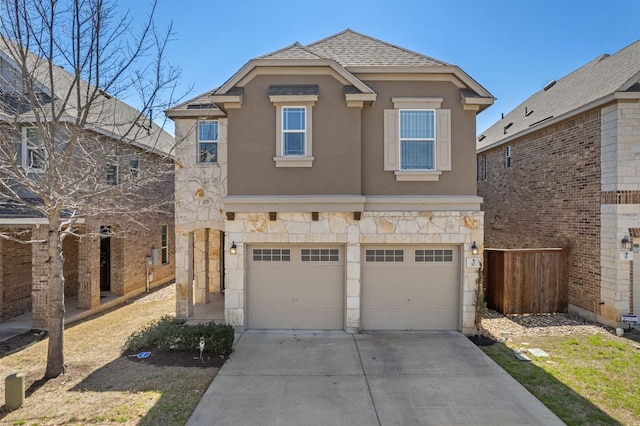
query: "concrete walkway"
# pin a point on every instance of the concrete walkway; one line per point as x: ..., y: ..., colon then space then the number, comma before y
x: 364, y: 379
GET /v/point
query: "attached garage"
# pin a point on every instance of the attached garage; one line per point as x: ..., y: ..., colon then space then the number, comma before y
x: 295, y: 287
x: 411, y: 288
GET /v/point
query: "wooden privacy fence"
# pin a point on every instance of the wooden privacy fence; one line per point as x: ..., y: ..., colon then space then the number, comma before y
x: 527, y: 281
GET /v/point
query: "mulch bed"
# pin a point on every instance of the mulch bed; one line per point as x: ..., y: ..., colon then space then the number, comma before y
x: 20, y: 341
x: 175, y: 359
x: 482, y: 340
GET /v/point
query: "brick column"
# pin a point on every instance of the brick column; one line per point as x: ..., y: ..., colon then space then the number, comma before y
x: 89, y: 272
x: 40, y: 278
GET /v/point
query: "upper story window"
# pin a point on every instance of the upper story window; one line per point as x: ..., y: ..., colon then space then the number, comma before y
x: 294, y: 133
x: 134, y: 165
x: 417, y: 139
x: 33, y: 151
x: 112, y: 167
x: 507, y: 159
x: 208, y: 141
x: 294, y: 130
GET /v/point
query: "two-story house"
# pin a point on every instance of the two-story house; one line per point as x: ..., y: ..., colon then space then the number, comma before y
x: 563, y: 170
x: 332, y: 186
x: 101, y: 262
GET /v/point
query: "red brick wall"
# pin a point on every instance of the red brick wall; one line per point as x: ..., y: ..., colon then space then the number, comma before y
x: 550, y: 197
x: 16, y: 279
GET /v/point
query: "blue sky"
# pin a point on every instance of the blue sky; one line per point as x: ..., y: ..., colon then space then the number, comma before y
x: 513, y: 48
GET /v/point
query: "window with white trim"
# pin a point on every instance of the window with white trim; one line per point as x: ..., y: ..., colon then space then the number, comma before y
x: 33, y: 151
x: 208, y: 141
x: 294, y: 131
x: 112, y: 167
x: 507, y: 159
x: 134, y: 165
x: 417, y: 139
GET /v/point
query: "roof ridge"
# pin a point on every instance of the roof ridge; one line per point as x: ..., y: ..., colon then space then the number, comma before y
x: 348, y: 30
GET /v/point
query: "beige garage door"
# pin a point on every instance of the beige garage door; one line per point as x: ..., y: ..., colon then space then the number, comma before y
x: 295, y: 287
x: 410, y: 288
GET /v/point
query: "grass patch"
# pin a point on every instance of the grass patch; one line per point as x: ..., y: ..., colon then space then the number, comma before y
x: 170, y: 333
x: 587, y: 379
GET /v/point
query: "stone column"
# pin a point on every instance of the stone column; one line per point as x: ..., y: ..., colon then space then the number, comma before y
x: 39, y: 277
x: 184, y: 273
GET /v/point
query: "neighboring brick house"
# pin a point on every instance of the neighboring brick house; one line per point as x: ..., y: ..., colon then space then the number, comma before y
x: 99, y: 262
x: 331, y: 186
x: 563, y: 170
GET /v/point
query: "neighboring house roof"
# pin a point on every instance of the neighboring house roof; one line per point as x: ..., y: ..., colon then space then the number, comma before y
x: 108, y: 116
x: 347, y: 54
x: 600, y: 81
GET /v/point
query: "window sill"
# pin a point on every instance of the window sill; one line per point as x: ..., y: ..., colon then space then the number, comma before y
x: 293, y: 161
x: 417, y: 175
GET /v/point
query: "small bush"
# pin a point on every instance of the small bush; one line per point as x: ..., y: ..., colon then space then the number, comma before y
x: 170, y: 333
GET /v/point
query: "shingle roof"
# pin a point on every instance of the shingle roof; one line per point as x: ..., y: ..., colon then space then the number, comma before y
x: 352, y: 49
x: 295, y: 51
x: 599, y: 78
x: 107, y: 115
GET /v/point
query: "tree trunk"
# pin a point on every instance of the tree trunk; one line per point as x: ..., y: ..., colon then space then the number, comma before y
x: 55, y: 353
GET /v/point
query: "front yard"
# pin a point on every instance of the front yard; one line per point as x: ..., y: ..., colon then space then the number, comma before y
x: 591, y: 377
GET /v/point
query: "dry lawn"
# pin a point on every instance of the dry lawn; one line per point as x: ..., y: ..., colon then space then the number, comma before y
x: 100, y: 386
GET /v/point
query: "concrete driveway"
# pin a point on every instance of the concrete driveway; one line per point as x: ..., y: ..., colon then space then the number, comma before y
x: 364, y: 379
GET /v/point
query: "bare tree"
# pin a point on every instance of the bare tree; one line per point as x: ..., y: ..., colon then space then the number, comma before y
x: 65, y: 65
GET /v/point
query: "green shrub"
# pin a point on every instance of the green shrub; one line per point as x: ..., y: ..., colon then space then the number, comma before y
x: 170, y: 333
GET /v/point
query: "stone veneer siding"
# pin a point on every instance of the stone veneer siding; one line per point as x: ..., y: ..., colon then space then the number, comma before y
x: 620, y: 204
x: 440, y: 227
x: 550, y: 197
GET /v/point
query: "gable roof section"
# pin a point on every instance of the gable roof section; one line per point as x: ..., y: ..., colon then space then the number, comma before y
x: 346, y: 54
x: 108, y: 116
x: 600, y: 81
x: 352, y: 49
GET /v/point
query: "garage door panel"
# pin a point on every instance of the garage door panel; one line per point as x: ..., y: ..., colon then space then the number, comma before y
x: 304, y: 292
x: 410, y: 288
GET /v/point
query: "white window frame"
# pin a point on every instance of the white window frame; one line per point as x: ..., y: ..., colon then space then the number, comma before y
x: 201, y: 141
x: 280, y: 102
x: 442, y: 145
x: 293, y: 131
x: 426, y: 140
x: 134, y: 170
x: 507, y: 158
x: 164, y: 244
x: 26, y: 150
x: 112, y: 161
